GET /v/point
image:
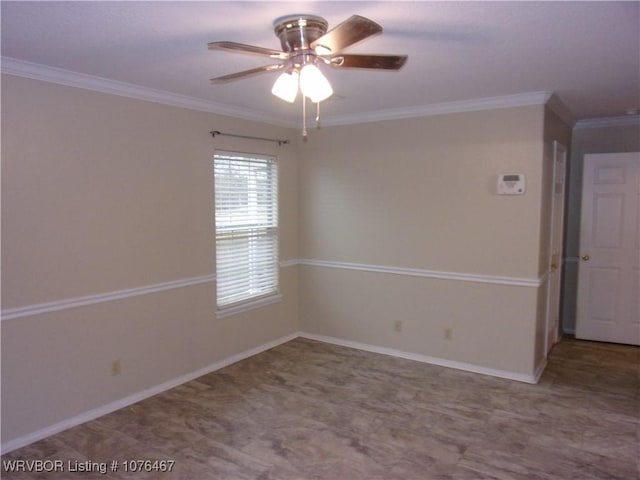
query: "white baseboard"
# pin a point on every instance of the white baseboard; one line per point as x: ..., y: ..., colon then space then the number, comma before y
x: 539, y: 371
x: 149, y: 392
x: 467, y: 367
x: 136, y: 397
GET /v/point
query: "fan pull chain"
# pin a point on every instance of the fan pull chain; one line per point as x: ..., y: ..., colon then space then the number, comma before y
x: 318, y: 115
x: 304, y: 117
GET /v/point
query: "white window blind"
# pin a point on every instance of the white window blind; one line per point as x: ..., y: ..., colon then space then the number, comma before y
x: 246, y: 206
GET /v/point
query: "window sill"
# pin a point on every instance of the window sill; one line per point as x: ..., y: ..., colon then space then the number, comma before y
x: 248, y: 305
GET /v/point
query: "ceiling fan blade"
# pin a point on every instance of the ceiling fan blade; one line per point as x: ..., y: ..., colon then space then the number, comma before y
x: 385, y: 62
x: 352, y: 30
x: 251, y: 49
x: 247, y: 73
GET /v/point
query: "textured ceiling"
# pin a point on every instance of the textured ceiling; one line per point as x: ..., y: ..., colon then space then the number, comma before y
x: 588, y: 53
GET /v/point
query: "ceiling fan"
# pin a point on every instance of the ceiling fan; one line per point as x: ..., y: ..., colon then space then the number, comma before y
x: 306, y: 44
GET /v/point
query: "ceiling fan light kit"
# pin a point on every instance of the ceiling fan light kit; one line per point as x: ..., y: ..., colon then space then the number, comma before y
x: 314, y: 84
x: 306, y: 44
x: 286, y: 86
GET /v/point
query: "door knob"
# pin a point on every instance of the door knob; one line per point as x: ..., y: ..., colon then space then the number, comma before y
x: 586, y: 257
x: 554, y: 267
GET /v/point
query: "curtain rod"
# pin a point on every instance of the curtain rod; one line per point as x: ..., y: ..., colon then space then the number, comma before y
x: 279, y: 142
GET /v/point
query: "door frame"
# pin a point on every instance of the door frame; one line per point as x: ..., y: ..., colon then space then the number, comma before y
x: 554, y: 298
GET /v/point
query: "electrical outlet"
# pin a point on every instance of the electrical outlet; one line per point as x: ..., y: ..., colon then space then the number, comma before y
x: 397, y: 325
x: 448, y: 333
x: 115, y: 368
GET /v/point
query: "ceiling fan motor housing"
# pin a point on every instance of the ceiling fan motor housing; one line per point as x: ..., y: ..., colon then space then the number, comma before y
x: 298, y: 32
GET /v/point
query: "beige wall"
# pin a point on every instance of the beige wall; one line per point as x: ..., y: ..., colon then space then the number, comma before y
x: 611, y: 139
x: 102, y: 193
x: 421, y: 194
x: 492, y: 325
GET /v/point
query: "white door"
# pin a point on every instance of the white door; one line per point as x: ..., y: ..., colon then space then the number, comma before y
x: 609, y: 273
x: 555, y: 245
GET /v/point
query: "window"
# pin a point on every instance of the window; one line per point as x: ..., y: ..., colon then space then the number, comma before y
x: 246, y: 206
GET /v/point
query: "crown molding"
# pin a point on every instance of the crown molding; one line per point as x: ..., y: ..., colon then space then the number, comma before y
x: 462, y: 106
x: 621, y: 121
x: 36, y: 71
x: 557, y: 106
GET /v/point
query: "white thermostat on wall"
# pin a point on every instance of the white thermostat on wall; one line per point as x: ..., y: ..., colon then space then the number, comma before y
x: 511, y: 184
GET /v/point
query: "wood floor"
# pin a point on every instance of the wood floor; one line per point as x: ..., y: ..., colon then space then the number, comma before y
x: 310, y: 410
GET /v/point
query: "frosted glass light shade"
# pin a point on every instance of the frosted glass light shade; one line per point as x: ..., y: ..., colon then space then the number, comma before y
x: 286, y: 87
x: 314, y: 84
